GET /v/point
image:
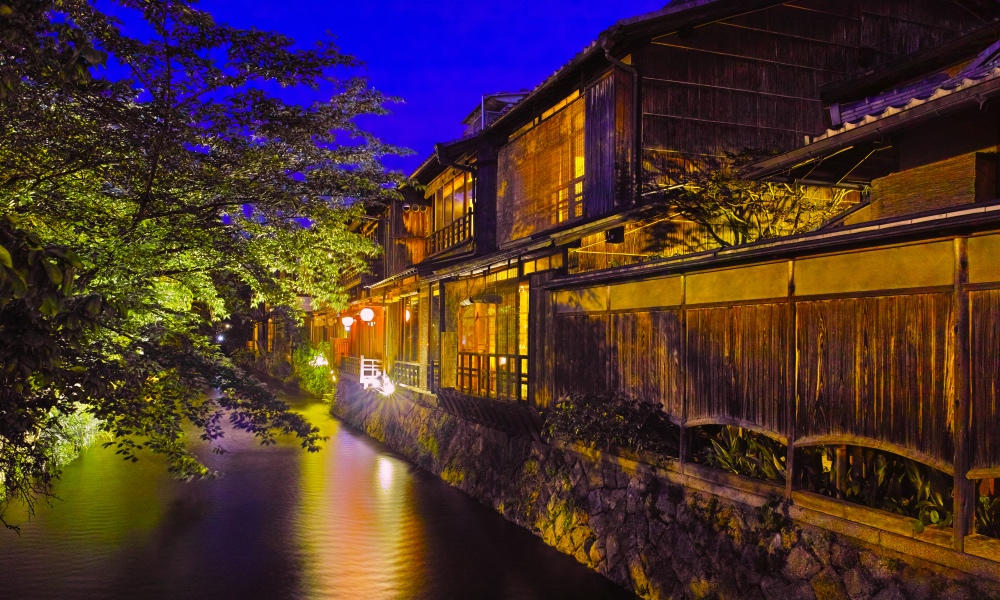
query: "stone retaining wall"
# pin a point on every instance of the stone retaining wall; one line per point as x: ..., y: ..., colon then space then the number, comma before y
x: 640, y: 529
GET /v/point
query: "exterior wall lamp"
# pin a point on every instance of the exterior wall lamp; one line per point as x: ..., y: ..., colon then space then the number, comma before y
x: 347, y: 322
x: 368, y: 316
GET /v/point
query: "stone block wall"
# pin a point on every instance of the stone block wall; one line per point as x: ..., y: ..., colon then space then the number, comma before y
x: 640, y: 529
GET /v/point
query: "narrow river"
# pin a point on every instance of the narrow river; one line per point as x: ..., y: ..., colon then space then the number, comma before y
x: 353, y: 521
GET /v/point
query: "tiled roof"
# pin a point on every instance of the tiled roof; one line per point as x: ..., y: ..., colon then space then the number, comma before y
x: 850, y: 115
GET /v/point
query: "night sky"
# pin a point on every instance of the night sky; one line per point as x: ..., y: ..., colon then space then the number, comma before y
x: 441, y: 56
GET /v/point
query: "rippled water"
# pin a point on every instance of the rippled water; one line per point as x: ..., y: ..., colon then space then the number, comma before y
x: 353, y: 521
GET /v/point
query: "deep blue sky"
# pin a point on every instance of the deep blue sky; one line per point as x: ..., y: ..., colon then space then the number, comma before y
x: 441, y: 56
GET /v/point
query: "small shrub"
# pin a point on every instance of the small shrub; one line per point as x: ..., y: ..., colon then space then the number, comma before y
x: 244, y: 358
x: 610, y: 420
x: 314, y: 373
x: 280, y: 369
x: 740, y: 451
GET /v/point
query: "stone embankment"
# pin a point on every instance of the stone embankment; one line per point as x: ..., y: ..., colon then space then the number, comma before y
x: 640, y: 529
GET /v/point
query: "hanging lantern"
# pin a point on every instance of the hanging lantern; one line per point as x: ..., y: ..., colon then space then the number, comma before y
x: 367, y: 315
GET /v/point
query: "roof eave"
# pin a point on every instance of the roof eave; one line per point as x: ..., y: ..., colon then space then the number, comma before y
x: 977, y: 94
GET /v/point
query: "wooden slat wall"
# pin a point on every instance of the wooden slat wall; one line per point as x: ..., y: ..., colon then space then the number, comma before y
x: 645, y: 356
x: 752, y: 81
x: 736, y: 364
x: 599, y: 147
x: 625, y: 137
x: 582, y: 354
x: 985, y: 318
x: 876, y: 368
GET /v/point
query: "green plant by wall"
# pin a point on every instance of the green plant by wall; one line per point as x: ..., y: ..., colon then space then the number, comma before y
x: 884, y: 481
x: 311, y: 365
x: 740, y: 451
x: 613, y: 420
x: 988, y: 515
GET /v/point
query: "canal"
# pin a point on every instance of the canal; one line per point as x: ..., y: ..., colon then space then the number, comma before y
x: 352, y: 521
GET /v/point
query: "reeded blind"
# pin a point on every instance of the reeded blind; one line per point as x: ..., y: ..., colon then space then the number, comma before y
x: 541, y: 175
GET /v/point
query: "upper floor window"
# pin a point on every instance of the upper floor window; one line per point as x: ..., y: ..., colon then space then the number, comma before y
x: 453, y: 200
x: 541, y: 170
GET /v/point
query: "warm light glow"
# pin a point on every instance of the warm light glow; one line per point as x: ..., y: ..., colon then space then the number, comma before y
x: 347, y: 322
x: 387, y: 388
x: 503, y: 360
x: 385, y: 473
x: 367, y: 315
x: 320, y: 361
x: 406, y: 315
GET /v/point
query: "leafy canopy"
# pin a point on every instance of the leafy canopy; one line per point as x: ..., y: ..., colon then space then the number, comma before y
x: 146, y: 178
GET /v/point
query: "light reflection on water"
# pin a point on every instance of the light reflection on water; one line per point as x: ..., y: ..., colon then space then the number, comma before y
x: 352, y: 521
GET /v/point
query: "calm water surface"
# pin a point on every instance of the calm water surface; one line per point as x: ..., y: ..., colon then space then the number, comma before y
x: 353, y: 521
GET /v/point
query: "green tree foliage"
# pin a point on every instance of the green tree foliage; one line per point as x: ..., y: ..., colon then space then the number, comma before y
x: 131, y: 207
x: 734, y: 211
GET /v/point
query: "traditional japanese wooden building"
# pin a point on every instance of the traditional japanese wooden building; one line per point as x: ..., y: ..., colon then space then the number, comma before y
x: 550, y: 181
x: 528, y: 267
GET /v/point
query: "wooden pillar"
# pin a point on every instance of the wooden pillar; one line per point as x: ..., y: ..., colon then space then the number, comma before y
x: 964, y: 496
x: 791, y: 381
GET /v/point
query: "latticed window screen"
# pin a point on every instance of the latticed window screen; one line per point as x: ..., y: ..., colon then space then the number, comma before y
x: 491, y: 318
x: 541, y: 174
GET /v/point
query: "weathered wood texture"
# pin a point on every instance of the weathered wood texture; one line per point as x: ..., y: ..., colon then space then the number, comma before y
x: 869, y: 368
x: 947, y: 183
x: 644, y: 358
x: 736, y: 364
x: 985, y: 319
x: 582, y: 354
x: 752, y: 81
x: 876, y: 368
x: 599, y: 147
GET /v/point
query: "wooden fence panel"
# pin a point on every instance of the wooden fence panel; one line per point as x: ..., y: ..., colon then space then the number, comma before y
x: 876, y: 368
x: 985, y: 309
x: 736, y: 365
x: 645, y: 357
x: 581, y: 348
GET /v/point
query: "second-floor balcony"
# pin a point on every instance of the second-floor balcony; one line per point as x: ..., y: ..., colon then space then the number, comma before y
x: 454, y: 234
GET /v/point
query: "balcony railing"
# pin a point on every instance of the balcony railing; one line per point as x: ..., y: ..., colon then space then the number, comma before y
x: 500, y: 376
x: 450, y: 235
x: 350, y: 365
x: 406, y: 373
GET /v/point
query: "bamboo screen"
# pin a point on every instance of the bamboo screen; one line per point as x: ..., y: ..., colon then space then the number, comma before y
x: 876, y: 369
x: 541, y: 175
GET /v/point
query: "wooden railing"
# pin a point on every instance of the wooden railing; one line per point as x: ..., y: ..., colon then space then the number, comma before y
x: 500, y: 376
x: 371, y: 371
x: 406, y: 373
x: 450, y: 235
x: 350, y: 365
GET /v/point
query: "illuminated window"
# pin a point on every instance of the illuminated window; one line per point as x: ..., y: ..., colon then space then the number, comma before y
x: 541, y: 173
